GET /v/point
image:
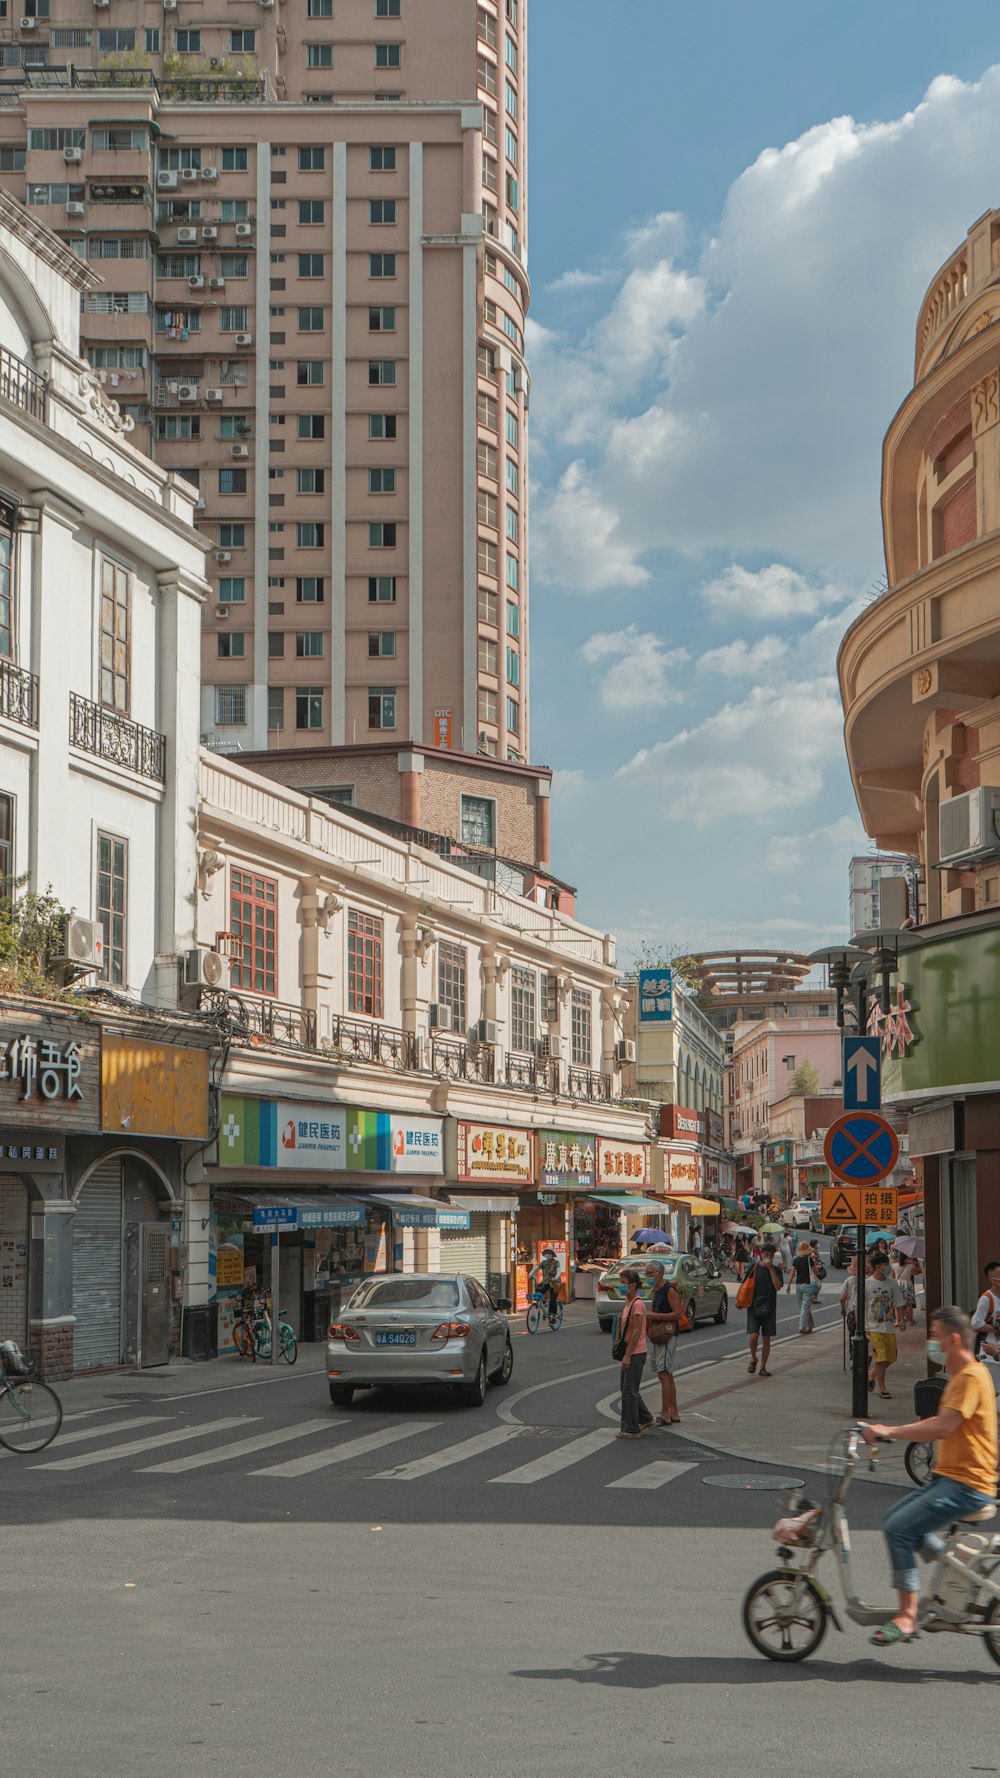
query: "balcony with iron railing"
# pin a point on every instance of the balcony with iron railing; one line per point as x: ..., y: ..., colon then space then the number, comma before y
x: 531, y: 1074
x: 589, y: 1083
x: 117, y: 739
x: 451, y: 1059
x: 18, y: 695
x: 22, y: 386
x: 358, y: 1040
x: 246, y: 1019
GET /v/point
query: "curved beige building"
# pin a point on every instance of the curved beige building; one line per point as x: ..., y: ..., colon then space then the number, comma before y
x: 920, y: 681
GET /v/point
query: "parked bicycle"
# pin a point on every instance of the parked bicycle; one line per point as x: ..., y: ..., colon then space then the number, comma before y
x: 30, y: 1412
x: 243, y: 1337
x: 261, y: 1328
x: 538, y: 1312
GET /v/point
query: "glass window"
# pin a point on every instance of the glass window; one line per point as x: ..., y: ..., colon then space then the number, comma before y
x: 512, y: 573
x: 312, y: 210
x: 486, y: 458
x: 112, y: 892
x: 381, y: 265
x: 311, y: 265
x: 487, y: 605
x: 319, y: 9
x: 115, y: 638
x: 276, y: 645
x: 510, y: 99
x: 381, y: 536
x: 319, y: 55
x: 232, y: 645
x: 232, y: 319
x: 452, y: 961
x: 382, y: 643
x: 234, y: 160
x: 487, y: 705
x: 387, y: 9
x: 310, y: 535
x: 308, y: 706
x: 381, y: 160
x: 310, y: 425
x: 513, y: 619
x: 511, y: 522
x: 310, y: 481
x: 309, y: 645
x: 381, y: 425
x: 582, y: 1032
x: 513, y: 666
x: 382, y: 372
x: 381, y: 481
x: 6, y: 595
x: 388, y: 55
x: 382, y: 210
x: 512, y: 717
x: 309, y: 589
x: 364, y: 963
x: 7, y: 877
x: 253, y: 908
x: 381, y: 706
x: 187, y: 43
x: 242, y: 42
x: 232, y: 589
x: 232, y: 481
x: 310, y: 321
x: 511, y: 474
x: 381, y: 320
x: 232, y: 536
x: 478, y: 821
x: 523, y: 993
x: 312, y: 160
x: 487, y: 655
x: 381, y: 589
x: 310, y: 373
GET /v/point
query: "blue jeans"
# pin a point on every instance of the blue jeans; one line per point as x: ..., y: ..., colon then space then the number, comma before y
x: 804, y: 1292
x: 908, y: 1526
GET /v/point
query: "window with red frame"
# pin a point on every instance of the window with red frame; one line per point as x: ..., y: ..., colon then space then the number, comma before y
x: 253, y: 907
x: 364, y: 964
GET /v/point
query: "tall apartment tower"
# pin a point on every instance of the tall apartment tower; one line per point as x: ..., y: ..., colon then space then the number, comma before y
x: 311, y: 221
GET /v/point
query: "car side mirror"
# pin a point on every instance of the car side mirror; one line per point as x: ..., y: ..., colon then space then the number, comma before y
x: 503, y: 1303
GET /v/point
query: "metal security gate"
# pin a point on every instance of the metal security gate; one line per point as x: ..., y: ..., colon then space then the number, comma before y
x: 465, y: 1250
x: 13, y: 1260
x: 97, y: 1270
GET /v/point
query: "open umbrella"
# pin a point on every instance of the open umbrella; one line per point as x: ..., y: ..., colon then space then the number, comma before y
x: 650, y: 1237
x: 773, y: 1228
x: 737, y: 1228
x: 911, y: 1245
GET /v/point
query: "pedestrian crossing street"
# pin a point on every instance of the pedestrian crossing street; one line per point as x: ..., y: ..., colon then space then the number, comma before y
x: 152, y: 1444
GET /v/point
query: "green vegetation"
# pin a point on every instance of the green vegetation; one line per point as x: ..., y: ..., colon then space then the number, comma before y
x: 31, y: 937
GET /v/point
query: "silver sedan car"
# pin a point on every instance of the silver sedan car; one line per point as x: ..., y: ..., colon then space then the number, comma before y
x: 419, y: 1328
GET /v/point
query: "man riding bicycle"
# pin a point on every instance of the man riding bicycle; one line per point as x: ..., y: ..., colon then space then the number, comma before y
x: 548, y: 1276
x: 964, y: 1431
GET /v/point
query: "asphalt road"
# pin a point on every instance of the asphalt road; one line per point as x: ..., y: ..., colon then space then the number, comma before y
x: 249, y: 1578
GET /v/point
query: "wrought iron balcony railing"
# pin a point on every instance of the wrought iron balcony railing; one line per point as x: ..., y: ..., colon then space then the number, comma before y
x: 245, y: 1019
x: 534, y: 1074
x: 453, y: 1060
x: 21, y: 385
x: 18, y: 695
x: 116, y: 738
x: 589, y: 1083
x: 355, y: 1040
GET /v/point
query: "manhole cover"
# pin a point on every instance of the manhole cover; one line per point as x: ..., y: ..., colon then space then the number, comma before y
x: 774, y: 1482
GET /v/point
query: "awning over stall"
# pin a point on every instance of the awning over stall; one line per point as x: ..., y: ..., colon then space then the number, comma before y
x: 412, y: 1212
x: 640, y: 1206
x: 302, y: 1210
x: 699, y: 1206
x: 495, y: 1206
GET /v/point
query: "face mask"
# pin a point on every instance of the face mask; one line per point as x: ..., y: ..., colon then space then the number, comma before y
x: 935, y: 1352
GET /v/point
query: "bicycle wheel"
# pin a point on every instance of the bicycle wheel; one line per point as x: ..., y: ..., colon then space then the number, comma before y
x: 243, y: 1341
x: 30, y: 1416
x: 289, y: 1344
x: 534, y: 1318
x: 555, y: 1318
x: 918, y: 1459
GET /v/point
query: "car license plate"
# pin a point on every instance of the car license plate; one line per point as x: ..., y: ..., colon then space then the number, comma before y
x: 396, y: 1339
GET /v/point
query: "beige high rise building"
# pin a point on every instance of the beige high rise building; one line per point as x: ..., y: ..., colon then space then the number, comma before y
x: 311, y: 221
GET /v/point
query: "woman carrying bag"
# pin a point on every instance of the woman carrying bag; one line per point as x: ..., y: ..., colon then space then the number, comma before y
x: 804, y: 1273
x: 630, y: 1351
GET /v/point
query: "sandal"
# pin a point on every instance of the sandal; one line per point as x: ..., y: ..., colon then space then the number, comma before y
x: 884, y: 1393
x: 628, y: 1434
x: 891, y: 1633
x: 752, y: 1366
x: 659, y: 1421
x: 765, y: 1373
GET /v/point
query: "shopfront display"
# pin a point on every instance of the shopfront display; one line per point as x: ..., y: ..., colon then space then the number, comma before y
x: 622, y: 1164
x: 545, y: 1219
x: 289, y: 1134
x: 567, y: 1159
x: 681, y: 1171
x: 597, y: 1230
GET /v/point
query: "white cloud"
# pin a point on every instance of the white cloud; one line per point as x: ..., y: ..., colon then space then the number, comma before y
x: 568, y: 781
x: 767, y: 594
x: 666, y: 233
x: 741, y: 405
x: 577, y: 279
x: 772, y: 658
x: 838, y: 840
x: 754, y: 758
x: 638, y: 678
x: 575, y: 534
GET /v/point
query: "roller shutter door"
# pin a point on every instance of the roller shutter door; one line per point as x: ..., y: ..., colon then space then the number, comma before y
x: 13, y: 1260
x: 97, y: 1270
x: 464, y: 1250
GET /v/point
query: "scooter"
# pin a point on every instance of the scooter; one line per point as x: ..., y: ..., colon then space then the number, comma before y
x: 786, y: 1611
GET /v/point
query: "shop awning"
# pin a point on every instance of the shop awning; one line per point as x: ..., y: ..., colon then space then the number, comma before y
x: 700, y: 1206
x: 412, y: 1212
x: 305, y: 1210
x: 496, y: 1206
x: 637, y: 1206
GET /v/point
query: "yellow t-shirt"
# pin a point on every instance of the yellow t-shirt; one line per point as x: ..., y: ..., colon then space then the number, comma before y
x: 970, y: 1454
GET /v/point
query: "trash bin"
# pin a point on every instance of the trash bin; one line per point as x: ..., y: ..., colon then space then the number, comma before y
x: 315, y: 1315
x: 927, y: 1393
x: 200, y: 1331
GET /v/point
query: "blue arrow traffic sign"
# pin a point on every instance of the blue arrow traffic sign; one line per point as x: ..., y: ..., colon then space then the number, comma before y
x: 862, y: 1074
x: 860, y: 1148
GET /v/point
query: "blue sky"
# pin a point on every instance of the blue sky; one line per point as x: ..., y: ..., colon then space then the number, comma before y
x: 726, y: 274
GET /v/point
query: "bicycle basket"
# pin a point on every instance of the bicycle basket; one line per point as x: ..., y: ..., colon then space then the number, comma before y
x: 13, y: 1360
x: 927, y: 1393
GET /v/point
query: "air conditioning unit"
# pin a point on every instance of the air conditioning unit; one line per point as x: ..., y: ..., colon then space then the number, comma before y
x: 213, y: 394
x: 187, y: 391
x: 625, y: 1050
x: 187, y: 236
x: 550, y: 1044
x: 72, y: 156
x: 28, y: 24
x: 485, y: 1031
x: 967, y: 825
x: 267, y: 4
x: 83, y: 942
x: 519, y: 377
x: 209, y: 234
x: 241, y: 450
x: 189, y: 175
x: 102, y: 5
x: 76, y: 210
x: 222, y: 611
x: 205, y: 969
x: 244, y: 230
x: 196, y: 282
x: 223, y: 556
x: 166, y: 181
x: 170, y: 5
x: 216, y: 283
x: 440, y: 1016
x: 244, y: 339
x: 210, y: 173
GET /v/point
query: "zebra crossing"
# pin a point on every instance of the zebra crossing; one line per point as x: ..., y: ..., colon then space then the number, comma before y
x: 324, y: 1442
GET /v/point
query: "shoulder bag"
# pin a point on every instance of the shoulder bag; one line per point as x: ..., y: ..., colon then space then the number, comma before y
x: 745, y: 1294
x: 620, y: 1346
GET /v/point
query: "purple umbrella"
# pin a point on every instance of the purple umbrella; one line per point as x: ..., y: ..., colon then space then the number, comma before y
x: 650, y: 1237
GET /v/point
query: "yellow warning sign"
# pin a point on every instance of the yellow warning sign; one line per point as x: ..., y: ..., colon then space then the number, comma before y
x: 874, y: 1205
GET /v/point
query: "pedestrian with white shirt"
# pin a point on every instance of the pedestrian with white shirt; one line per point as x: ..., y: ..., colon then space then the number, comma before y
x: 986, y: 1317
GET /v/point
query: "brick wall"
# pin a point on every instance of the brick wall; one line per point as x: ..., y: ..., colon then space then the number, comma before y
x: 958, y: 519
x: 949, y: 429
x: 51, y: 1348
